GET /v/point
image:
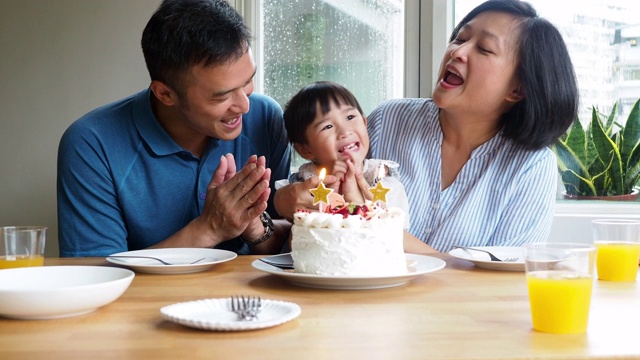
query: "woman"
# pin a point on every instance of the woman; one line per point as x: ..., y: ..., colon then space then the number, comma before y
x: 477, y: 170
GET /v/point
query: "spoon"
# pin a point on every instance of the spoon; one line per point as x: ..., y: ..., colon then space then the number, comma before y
x: 151, y: 257
x: 491, y: 256
x: 283, y: 261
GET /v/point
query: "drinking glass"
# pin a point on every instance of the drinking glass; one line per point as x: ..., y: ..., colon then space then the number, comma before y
x: 560, y: 278
x: 618, y: 244
x: 22, y: 246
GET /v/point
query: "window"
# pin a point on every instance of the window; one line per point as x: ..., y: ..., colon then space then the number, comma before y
x: 396, y: 46
x: 357, y: 43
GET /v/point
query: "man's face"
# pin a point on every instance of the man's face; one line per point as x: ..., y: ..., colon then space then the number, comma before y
x: 214, y: 99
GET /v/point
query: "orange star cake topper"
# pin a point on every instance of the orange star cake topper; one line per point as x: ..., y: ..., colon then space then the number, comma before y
x: 379, y: 192
x: 321, y: 193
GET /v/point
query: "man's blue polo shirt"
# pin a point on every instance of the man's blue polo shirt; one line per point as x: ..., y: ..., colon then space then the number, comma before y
x: 124, y: 184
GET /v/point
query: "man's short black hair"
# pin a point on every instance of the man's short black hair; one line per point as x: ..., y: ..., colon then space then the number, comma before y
x: 184, y: 33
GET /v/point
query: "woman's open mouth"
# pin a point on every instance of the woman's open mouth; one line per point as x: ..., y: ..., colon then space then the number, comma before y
x: 453, y: 78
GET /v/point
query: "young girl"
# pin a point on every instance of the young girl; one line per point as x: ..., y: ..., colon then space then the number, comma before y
x: 325, y: 124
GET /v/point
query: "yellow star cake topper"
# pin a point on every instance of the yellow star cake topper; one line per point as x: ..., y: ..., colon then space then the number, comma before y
x: 379, y: 192
x: 321, y: 193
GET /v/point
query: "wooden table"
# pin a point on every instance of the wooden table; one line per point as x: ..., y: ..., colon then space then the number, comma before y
x: 459, y: 312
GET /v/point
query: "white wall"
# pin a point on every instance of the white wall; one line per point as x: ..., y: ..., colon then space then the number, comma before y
x: 58, y: 60
x: 572, y: 222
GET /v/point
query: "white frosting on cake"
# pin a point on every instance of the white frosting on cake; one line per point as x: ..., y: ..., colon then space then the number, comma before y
x: 330, y: 244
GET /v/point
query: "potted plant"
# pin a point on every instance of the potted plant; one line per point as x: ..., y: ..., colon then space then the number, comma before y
x: 603, y: 160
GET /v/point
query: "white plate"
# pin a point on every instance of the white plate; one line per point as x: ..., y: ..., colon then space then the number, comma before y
x: 216, y: 314
x: 179, y: 256
x: 49, y: 292
x: 418, y: 265
x: 481, y: 259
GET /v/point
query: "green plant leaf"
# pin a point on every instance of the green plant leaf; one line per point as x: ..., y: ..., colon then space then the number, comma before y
x: 568, y: 160
x: 576, y: 140
x: 632, y: 177
x: 592, y: 154
x: 608, y: 153
x: 611, y: 119
x: 631, y: 135
x: 600, y: 180
x: 574, y: 184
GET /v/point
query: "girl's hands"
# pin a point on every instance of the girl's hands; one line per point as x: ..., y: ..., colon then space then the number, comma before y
x: 352, y: 185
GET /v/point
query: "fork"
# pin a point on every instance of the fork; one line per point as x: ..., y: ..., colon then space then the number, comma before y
x: 247, y: 308
x: 493, y: 257
x: 151, y: 257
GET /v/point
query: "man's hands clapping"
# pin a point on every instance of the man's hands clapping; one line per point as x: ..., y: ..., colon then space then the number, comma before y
x: 235, y: 200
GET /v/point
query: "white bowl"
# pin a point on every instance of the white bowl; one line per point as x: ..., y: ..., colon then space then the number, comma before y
x: 49, y: 292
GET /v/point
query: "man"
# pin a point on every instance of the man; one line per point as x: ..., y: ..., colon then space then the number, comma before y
x: 159, y: 168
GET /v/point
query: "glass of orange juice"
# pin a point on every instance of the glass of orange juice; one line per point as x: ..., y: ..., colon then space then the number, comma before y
x: 22, y: 246
x: 560, y: 278
x: 618, y: 244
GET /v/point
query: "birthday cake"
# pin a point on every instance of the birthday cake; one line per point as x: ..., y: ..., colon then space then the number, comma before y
x: 353, y: 240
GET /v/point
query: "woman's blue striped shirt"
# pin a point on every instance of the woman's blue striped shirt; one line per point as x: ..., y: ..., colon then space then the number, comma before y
x: 503, y: 196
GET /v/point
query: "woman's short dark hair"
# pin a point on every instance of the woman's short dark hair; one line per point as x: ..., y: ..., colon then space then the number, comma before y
x: 546, y: 76
x: 183, y: 33
x: 302, y: 108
